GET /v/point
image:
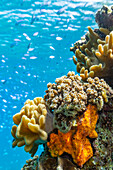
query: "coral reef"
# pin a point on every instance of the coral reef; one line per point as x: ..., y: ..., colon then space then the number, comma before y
x: 31, y: 121
x: 70, y: 96
x: 102, y: 148
x: 104, y: 18
x: 94, y: 53
x: 74, y: 119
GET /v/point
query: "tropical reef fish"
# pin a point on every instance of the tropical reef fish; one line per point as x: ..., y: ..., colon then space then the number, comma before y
x: 33, y: 19
x: 19, y: 21
x: 61, y: 10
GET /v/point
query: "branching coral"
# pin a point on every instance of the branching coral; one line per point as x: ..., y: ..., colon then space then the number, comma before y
x: 31, y: 122
x: 70, y: 95
x: 76, y: 143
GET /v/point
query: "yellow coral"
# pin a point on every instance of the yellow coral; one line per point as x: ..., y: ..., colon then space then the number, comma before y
x: 31, y: 125
x: 75, y: 141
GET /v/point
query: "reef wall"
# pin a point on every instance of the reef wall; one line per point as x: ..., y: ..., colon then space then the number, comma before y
x: 74, y: 120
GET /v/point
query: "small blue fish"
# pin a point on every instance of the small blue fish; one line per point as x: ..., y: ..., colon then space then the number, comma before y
x: 33, y: 19
x: 18, y: 22
x: 13, y: 44
x: 61, y: 10
x: 81, y: 5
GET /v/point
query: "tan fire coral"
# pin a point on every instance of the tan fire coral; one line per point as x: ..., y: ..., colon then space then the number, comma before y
x: 70, y: 96
x: 31, y: 125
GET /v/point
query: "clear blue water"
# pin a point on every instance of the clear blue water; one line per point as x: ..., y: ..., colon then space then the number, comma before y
x: 34, y: 49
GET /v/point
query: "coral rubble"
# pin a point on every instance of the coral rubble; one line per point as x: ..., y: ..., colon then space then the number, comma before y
x: 31, y: 122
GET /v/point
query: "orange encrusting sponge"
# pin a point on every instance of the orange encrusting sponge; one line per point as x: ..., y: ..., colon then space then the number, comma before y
x: 75, y: 142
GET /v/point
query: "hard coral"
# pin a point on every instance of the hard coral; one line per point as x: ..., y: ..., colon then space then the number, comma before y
x: 66, y: 98
x: 31, y: 122
x: 75, y: 141
x: 70, y: 95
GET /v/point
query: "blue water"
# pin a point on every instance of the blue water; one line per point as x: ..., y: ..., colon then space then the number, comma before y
x: 35, y: 38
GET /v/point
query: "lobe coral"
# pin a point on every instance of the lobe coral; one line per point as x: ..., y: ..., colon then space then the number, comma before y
x: 31, y: 130
x: 75, y: 142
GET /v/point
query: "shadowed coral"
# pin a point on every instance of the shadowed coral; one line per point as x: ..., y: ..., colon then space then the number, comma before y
x: 70, y: 95
x: 75, y: 141
x: 31, y: 164
x: 31, y: 122
x: 88, y: 43
x: 104, y: 18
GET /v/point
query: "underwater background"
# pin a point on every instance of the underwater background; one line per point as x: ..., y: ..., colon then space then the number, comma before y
x: 35, y: 41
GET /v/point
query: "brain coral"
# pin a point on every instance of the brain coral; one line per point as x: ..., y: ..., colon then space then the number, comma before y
x: 70, y: 96
x: 30, y: 129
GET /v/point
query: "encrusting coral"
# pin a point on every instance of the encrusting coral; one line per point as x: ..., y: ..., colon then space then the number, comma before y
x: 70, y: 96
x: 31, y: 121
x: 75, y: 142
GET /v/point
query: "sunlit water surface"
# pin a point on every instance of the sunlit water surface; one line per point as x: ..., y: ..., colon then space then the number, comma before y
x: 35, y: 38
